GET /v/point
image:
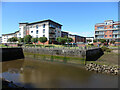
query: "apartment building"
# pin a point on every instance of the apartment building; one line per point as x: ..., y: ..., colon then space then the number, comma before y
x: 0, y: 40
x: 46, y: 28
x: 5, y: 37
x: 108, y: 30
x: 77, y: 38
x: 64, y: 34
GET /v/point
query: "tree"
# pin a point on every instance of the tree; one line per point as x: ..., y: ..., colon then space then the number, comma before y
x: 13, y: 39
x: 9, y: 40
x: 61, y: 40
x: 21, y: 40
x: 102, y: 40
x: 89, y: 40
x: 34, y: 40
x: 42, y: 39
x: 94, y: 40
x: 69, y: 40
x: 27, y: 39
x: 112, y: 41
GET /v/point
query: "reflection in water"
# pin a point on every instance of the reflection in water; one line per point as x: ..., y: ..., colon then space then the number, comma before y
x: 37, y: 74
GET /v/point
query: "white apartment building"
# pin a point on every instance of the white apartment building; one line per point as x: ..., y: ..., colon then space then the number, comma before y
x: 46, y: 28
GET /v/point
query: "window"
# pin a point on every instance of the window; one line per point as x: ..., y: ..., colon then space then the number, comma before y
x: 36, y: 31
x: 43, y: 25
x: 31, y: 31
x: 110, y: 26
x: 110, y: 31
x: 102, y: 27
x: 105, y: 27
x: 110, y: 35
x: 105, y: 35
x: 36, y: 36
x: 36, y: 26
x: 43, y: 35
x: 43, y: 30
x: 30, y: 26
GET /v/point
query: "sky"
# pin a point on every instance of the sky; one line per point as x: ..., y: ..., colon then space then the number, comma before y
x: 76, y: 17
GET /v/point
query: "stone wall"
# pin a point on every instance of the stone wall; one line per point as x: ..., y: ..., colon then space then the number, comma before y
x: 66, y: 52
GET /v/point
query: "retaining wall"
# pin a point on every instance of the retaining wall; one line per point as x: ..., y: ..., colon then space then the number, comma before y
x: 91, y: 54
x: 11, y: 53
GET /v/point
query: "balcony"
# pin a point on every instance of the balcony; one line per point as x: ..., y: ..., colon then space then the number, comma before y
x: 52, y: 36
x: 99, y: 33
x: 51, y: 27
x: 52, y: 32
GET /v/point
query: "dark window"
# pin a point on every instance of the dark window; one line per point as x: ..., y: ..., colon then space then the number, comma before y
x: 110, y: 26
x: 31, y: 31
x: 36, y: 26
x: 110, y: 35
x: 36, y: 31
x: 43, y: 30
x: 43, y: 35
x: 105, y: 35
x: 36, y: 36
x: 105, y: 27
x: 43, y: 25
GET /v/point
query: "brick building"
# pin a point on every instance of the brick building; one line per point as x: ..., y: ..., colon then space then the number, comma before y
x: 77, y: 38
x: 108, y: 30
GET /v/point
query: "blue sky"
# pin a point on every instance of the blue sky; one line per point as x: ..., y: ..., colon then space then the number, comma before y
x: 77, y: 18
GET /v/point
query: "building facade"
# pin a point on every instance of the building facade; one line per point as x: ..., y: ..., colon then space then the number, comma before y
x: 89, y: 38
x: 0, y: 40
x: 108, y: 30
x: 77, y: 38
x: 5, y: 37
x: 64, y: 34
x: 46, y: 28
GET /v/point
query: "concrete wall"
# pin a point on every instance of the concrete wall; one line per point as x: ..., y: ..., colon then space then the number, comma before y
x: 11, y: 53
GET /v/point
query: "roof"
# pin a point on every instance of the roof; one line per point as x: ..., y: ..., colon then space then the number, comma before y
x: 7, y: 34
x: 41, y: 22
x: 89, y: 37
x: 64, y: 31
x: 10, y: 33
x: 76, y: 35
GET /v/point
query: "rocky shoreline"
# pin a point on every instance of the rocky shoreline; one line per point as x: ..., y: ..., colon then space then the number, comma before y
x: 102, y: 68
x: 8, y: 84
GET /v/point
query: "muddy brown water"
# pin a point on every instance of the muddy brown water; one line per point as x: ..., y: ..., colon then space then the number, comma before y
x: 41, y: 74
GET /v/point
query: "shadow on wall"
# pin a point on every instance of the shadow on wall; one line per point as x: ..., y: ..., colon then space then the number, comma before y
x: 93, y: 55
x: 11, y: 53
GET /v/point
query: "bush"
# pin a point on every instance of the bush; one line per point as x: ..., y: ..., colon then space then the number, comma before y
x: 106, y: 49
x: 91, y: 44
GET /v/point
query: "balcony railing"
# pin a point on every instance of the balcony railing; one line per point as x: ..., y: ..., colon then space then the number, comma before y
x: 52, y: 31
x: 52, y: 36
x: 99, y: 33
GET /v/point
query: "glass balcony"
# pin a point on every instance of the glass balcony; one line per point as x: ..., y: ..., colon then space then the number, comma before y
x: 52, y: 36
x: 52, y: 31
